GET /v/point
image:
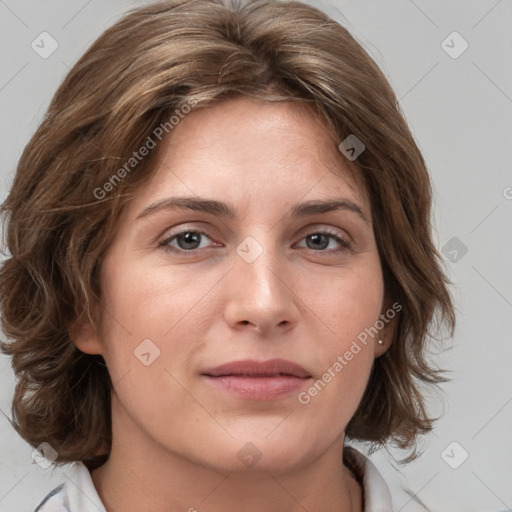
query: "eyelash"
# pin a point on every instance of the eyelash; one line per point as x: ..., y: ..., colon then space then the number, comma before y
x: 344, y: 243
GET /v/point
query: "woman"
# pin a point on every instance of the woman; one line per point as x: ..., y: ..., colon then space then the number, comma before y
x: 222, y: 267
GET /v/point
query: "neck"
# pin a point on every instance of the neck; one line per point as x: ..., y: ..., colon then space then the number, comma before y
x: 132, y: 485
x: 141, y: 475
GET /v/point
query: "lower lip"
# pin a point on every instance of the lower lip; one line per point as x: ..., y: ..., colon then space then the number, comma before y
x: 258, y: 388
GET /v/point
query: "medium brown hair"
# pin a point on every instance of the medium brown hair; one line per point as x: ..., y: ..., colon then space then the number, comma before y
x: 139, y: 73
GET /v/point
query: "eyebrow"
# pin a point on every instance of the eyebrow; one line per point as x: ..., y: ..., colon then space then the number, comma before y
x: 222, y: 209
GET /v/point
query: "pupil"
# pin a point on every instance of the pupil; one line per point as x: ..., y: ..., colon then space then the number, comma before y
x: 318, y: 237
x: 188, y: 238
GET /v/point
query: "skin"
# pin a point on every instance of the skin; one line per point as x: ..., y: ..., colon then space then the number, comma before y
x: 176, y: 437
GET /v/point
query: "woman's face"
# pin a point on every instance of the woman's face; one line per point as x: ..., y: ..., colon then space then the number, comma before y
x: 250, y: 271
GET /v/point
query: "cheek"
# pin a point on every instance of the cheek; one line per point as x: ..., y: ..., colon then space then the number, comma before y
x: 349, y: 309
x: 350, y: 303
x: 346, y: 354
x: 167, y: 306
x: 152, y: 299
x: 144, y: 338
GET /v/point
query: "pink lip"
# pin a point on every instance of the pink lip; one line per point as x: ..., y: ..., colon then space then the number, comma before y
x: 255, y: 380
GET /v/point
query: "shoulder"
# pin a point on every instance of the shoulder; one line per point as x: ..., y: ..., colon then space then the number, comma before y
x: 76, y: 494
x: 377, y: 497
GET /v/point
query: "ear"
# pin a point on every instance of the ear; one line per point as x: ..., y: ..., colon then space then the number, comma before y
x: 387, y: 326
x: 85, y: 335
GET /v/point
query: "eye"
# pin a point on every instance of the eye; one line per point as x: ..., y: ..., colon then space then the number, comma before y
x: 186, y: 241
x: 191, y: 241
x: 319, y: 241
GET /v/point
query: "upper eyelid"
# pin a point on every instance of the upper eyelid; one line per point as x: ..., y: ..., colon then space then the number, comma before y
x: 317, y: 227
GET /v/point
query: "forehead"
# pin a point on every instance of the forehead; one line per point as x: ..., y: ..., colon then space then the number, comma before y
x: 250, y: 150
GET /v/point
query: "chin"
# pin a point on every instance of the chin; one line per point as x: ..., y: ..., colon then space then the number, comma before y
x: 251, y: 459
x: 275, y: 454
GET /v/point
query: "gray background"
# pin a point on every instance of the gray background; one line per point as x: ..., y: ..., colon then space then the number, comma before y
x: 459, y: 110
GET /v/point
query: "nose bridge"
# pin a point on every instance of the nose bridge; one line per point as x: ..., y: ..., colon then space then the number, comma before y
x: 257, y: 264
x: 258, y: 291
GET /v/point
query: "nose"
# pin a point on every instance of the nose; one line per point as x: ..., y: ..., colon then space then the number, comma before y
x: 260, y: 296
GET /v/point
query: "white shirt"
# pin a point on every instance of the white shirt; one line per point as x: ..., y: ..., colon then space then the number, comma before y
x: 78, y: 494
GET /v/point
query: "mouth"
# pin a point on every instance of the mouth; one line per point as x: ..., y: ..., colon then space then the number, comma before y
x: 249, y: 368
x: 256, y: 380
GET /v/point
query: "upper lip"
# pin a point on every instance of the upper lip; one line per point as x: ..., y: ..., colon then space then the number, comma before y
x: 250, y: 368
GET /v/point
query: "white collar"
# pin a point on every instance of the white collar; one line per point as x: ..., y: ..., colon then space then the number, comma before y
x: 377, y: 497
x: 78, y: 494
